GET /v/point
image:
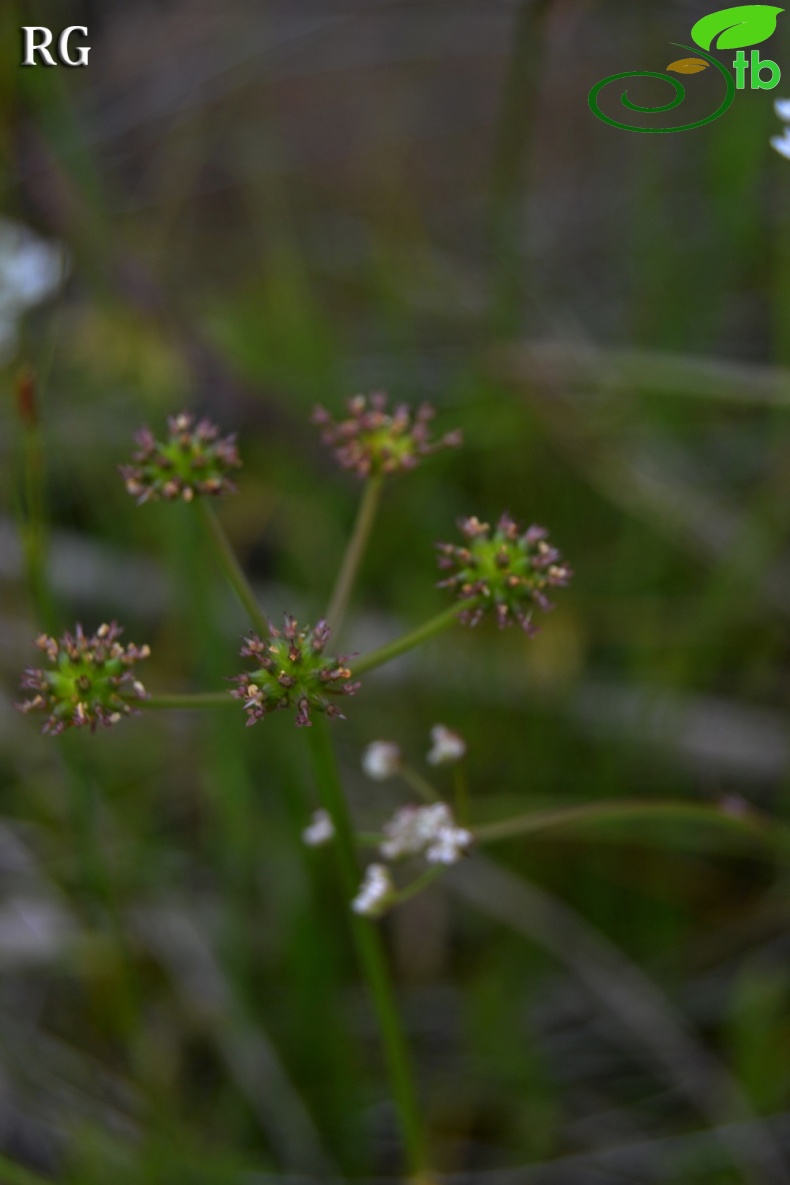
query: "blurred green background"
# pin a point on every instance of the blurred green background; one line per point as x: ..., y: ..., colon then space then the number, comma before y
x: 269, y: 204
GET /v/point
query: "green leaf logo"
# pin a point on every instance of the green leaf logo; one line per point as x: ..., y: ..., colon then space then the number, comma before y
x: 746, y: 24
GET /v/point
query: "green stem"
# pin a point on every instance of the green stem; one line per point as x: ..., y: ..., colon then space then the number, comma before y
x: 513, y: 139
x: 747, y: 824
x: 423, y: 633
x: 352, y: 559
x: 370, y: 949
x: 461, y: 794
x: 418, y: 884
x: 231, y: 566
x: 369, y: 839
x: 32, y: 502
x: 188, y: 700
x: 417, y: 782
x: 95, y: 877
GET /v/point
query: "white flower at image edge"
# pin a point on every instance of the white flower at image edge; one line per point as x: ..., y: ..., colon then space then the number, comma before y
x: 782, y: 109
x: 30, y: 270
x: 782, y: 143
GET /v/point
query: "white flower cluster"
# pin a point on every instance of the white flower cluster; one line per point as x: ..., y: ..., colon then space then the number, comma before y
x: 425, y: 830
x: 782, y: 143
x: 320, y: 829
x: 429, y: 831
x: 375, y: 893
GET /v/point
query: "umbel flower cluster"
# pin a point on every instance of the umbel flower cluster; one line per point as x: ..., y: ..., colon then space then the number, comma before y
x: 91, y: 680
x: 372, y: 440
x: 292, y: 671
x: 428, y: 830
x: 425, y: 830
x: 507, y: 572
x: 194, y: 459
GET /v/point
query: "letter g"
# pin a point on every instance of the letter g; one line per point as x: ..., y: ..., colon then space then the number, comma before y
x: 63, y: 47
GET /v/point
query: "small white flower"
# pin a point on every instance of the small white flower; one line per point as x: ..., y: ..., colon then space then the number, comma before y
x: 451, y: 844
x: 412, y: 828
x: 381, y: 760
x: 447, y: 745
x: 425, y: 830
x: 782, y: 109
x: 375, y: 893
x: 782, y: 143
x: 30, y: 271
x: 320, y: 830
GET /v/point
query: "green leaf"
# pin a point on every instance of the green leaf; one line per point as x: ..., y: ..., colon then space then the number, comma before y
x: 746, y: 24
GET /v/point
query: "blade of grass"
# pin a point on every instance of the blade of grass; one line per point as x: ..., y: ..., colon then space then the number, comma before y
x: 635, y: 1002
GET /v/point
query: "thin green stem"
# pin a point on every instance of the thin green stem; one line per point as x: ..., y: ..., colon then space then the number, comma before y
x: 513, y: 139
x: 32, y: 501
x: 341, y: 594
x: 369, y: 839
x: 370, y: 949
x: 188, y: 701
x: 748, y: 824
x: 95, y: 875
x: 417, y: 782
x: 231, y: 566
x: 423, y: 633
x: 461, y: 793
x: 418, y: 884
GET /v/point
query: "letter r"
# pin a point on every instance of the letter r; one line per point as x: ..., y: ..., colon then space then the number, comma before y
x: 31, y: 47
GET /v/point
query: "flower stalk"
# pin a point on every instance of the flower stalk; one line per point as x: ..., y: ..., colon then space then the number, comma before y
x: 230, y: 565
x: 341, y: 594
x: 32, y: 509
x: 423, y: 633
x: 370, y: 950
x: 748, y: 823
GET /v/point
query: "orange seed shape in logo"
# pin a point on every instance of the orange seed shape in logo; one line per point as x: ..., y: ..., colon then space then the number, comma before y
x: 688, y: 65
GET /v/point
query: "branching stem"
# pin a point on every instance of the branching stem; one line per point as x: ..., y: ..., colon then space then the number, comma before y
x: 230, y: 565
x: 370, y: 950
x: 341, y: 594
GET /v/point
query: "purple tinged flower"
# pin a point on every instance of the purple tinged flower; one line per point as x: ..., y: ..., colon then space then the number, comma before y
x: 292, y: 672
x: 507, y: 570
x: 373, y: 440
x: 92, y: 680
x: 193, y: 460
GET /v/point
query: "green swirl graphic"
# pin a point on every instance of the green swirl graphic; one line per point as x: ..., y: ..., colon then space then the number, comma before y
x: 680, y: 94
